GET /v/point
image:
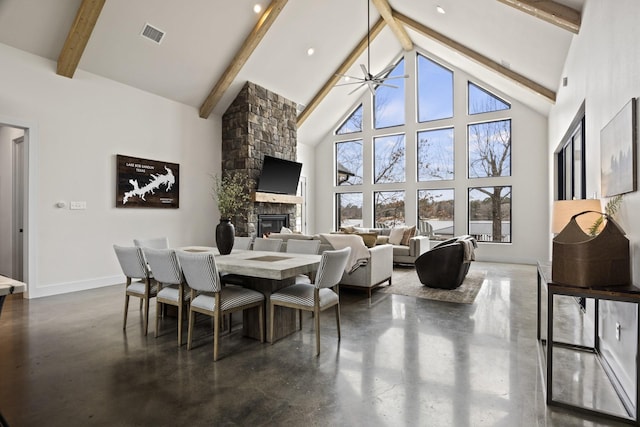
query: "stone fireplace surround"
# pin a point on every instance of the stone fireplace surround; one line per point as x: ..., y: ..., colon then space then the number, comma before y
x: 258, y: 123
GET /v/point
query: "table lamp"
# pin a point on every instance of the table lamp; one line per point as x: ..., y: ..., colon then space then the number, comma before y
x: 563, y: 210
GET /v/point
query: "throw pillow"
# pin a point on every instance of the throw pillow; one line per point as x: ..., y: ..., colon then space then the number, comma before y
x: 348, y: 229
x: 285, y: 230
x: 395, y: 236
x: 368, y: 238
x: 409, y: 232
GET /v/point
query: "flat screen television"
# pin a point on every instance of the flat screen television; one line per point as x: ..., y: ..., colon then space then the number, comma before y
x: 279, y: 176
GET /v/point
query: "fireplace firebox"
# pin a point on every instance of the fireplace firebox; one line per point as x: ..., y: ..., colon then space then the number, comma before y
x: 271, y: 223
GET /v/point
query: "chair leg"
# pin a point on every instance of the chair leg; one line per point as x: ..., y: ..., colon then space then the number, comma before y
x: 272, y: 317
x: 192, y: 316
x: 261, y: 321
x: 338, y: 319
x: 126, y: 309
x: 216, y: 334
x: 317, y: 321
x: 180, y: 324
x: 158, y: 310
x: 146, y: 315
x: 141, y: 303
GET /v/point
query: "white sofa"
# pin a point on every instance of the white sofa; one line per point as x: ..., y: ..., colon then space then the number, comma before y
x: 376, y: 272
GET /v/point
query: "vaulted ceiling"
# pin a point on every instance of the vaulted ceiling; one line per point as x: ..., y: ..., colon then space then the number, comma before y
x: 212, y: 47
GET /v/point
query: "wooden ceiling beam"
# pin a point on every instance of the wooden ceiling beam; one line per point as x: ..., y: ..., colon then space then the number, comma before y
x: 78, y: 37
x: 398, y: 29
x: 342, y: 69
x: 242, y: 56
x: 549, y: 11
x: 549, y: 95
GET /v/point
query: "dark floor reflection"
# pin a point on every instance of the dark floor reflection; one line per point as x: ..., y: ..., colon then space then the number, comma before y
x: 65, y: 360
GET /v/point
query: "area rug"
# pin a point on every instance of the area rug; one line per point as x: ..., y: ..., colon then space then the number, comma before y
x: 406, y: 282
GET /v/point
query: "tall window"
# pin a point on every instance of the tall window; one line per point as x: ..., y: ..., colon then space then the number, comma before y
x: 389, y: 163
x: 426, y: 132
x: 435, y: 90
x: 490, y: 149
x: 388, y: 209
x: 571, y: 162
x: 435, y: 155
x: 389, y: 102
x: 490, y: 213
x: 482, y: 101
x: 349, y: 209
x: 352, y: 124
x: 349, y: 162
x: 435, y: 213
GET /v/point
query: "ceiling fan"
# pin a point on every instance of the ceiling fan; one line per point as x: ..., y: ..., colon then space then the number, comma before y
x: 370, y: 80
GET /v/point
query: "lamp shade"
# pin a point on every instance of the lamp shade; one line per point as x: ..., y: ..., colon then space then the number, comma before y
x: 563, y: 210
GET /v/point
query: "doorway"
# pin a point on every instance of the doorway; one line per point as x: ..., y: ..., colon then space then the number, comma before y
x: 13, y: 192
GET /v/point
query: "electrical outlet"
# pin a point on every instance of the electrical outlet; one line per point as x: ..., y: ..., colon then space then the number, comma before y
x: 618, y: 331
x: 77, y: 205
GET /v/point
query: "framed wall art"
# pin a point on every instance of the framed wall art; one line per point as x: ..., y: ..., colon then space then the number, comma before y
x: 144, y: 183
x: 618, y: 164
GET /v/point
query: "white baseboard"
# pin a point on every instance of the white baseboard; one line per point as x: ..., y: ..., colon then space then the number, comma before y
x: 81, y: 285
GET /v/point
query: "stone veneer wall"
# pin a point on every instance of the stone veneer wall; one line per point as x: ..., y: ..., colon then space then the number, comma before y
x: 258, y: 122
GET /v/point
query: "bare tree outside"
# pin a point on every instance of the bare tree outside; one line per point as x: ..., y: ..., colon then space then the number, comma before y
x: 389, y: 208
x: 435, y: 155
x: 349, y: 209
x: 389, y: 159
x: 490, y: 205
x: 349, y: 162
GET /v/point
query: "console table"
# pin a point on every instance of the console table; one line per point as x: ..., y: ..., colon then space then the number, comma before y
x: 629, y: 294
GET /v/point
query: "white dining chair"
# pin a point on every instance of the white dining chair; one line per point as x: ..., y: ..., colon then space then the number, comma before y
x: 265, y: 244
x: 316, y: 297
x: 299, y: 246
x: 242, y: 242
x: 210, y: 298
x: 171, y: 286
x: 134, y: 266
x: 152, y: 242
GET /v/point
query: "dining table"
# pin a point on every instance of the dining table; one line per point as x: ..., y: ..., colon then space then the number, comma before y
x: 10, y: 286
x: 265, y: 272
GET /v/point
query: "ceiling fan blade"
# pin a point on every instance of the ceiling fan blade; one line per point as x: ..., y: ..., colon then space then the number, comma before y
x: 348, y: 76
x: 392, y: 78
x: 360, y: 81
x: 385, y: 71
x: 356, y: 89
x: 386, y: 85
x: 366, y: 73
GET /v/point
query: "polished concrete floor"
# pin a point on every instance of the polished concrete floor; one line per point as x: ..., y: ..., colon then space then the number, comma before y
x: 402, y: 361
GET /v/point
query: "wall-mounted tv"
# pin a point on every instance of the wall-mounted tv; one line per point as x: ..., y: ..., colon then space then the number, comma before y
x: 279, y: 176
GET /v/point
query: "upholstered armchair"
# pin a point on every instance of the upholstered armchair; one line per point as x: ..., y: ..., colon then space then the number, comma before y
x: 446, y: 264
x: 378, y: 270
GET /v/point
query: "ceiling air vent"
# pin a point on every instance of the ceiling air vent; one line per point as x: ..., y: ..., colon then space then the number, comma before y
x: 152, y: 33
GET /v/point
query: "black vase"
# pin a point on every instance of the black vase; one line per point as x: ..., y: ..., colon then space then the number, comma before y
x: 225, y: 233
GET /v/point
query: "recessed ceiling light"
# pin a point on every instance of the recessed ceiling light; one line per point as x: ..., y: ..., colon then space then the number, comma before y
x: 257, y: 8
x: 440, y: 10
x: 310, y: 51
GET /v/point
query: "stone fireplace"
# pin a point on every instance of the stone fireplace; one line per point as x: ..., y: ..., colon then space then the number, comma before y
x: 257, y: 123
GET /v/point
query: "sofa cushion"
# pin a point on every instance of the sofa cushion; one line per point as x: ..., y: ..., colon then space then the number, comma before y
x: 409, y: 232
x: 287, y: 236
x: 395, y: 237
x: 401, y: 250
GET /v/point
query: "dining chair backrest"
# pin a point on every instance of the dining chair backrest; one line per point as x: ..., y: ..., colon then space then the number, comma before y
x: 164, y: 265
x: 132, y: 261
x: 303, y: 246
x: 200, y: 271
x: 331, y: 269
x: 242, y: 243
x: 152, y: 242
x: 271, y: 245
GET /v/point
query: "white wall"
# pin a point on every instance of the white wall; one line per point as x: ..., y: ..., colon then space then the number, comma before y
x: 7, y: 135
x: 529, y: 180
x: 78, y: 126
x: 602, y: 69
